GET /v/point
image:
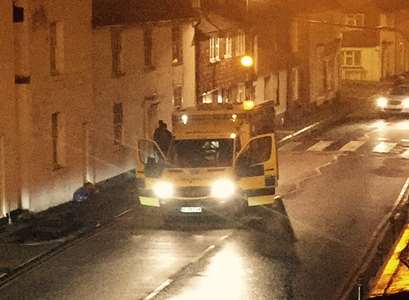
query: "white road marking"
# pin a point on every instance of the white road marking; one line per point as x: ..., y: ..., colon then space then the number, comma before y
x: 158, y: 289
x: 321, y: 145
x: 352, y: 146
x: 290, y: 146
x: 384, y: 147
x: 405, y: 154
x: 2, y: 275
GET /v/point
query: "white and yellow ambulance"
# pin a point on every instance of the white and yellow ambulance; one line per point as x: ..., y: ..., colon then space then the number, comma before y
x: 221, y: 160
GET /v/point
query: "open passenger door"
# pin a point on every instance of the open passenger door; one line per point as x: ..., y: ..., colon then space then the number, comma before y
x: 256, y: 166
x: 150, y: 162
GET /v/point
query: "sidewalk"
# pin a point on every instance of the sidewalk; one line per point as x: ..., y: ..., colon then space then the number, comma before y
x: 28, y: 240
x: 33, y: 237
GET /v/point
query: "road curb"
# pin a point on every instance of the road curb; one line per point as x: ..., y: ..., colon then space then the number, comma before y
x: 87, y: 232
x: 374, y: 257
x: 312, y: 127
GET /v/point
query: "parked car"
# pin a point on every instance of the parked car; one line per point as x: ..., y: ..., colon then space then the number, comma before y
x: 396, y: 100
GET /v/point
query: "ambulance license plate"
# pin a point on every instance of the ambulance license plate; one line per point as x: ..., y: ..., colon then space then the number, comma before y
x: 196, y: 209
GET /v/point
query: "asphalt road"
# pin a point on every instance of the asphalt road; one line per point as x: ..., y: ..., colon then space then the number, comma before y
x: 336, y: 185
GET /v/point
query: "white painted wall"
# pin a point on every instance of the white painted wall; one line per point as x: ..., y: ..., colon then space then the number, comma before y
x: 9, y: 175
x: 137, y: 89
x: 69, y: 93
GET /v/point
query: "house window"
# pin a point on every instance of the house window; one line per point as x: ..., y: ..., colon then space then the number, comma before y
x: 351, y: 58
x: 228, y: 47
x: 195, y: 3
x: 56, y: 48
x: 278, y: 87
x: 18, y: 14
x: 214, y: 49
x: 117, y: 53
x: 57, y: 137
x: 267, y: 88
x: 177, y: 54
x: 354, y: 19
x: 240, y: 45
x: 147, y: 42
x: 118, y: 123
x: 177, y: 97
x: 295, y: 83
x: 241, y: 92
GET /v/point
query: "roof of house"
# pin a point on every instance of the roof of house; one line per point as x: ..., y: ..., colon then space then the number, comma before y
x: 361, y: 38
x: 116, y: 12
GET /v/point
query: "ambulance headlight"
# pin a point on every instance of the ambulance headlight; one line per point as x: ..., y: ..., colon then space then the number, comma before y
x: 163, y: 189
x: 405, y: 103
x: 382, y: 102
x: 223, y: 188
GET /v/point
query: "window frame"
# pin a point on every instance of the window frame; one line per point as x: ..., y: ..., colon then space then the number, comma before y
x: 57, y: 138
x: 177, y: 45
x: 148, y: 47
x: 357, y: 19
x: 228, y: 49
x: 354, y: 55
x: 240, y: 43
x: 214, y: 49
x: 117, y: 52
x: 56, y: 47
x: 118, y: 123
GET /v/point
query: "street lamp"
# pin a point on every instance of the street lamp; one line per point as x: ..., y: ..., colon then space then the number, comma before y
x: 247, y: 61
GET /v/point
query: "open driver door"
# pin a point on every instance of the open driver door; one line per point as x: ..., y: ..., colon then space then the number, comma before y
x: 256, y: 167
x: 150, y: 162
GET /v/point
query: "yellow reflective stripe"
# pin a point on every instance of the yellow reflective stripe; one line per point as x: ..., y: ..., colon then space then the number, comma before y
x: 149, y: 201
x: 260, y: 200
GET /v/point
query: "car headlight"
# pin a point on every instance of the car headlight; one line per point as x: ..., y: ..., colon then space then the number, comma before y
x: 405, y: 103
x: 223, y: 188
x: 382, y: 102
x: 163, y: 189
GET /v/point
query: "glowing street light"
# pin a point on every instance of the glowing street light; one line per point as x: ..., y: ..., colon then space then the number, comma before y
x: 247, y: 61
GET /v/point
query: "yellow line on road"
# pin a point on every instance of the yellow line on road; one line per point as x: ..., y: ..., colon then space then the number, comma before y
x: 389, y: 276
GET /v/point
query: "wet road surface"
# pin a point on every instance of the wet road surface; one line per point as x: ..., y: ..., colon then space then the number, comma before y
x: 336, y: 186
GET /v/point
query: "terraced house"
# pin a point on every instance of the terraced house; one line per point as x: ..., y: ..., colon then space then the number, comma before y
x: 144, y: 68
x: 373, y: 46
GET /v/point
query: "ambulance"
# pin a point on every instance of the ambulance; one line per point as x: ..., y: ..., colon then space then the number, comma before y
x: 222, y: 160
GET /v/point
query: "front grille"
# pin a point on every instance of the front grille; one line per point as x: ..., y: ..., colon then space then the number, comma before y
x: 394, y: 102
x: 192, y: 192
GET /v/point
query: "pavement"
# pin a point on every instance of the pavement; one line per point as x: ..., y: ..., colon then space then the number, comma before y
x: 32, y: 237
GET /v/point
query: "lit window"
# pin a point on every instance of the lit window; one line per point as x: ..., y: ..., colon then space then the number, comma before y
x: 351, y: 58
x: 56, y: 48
x: 177, y: 54
x: 240, y: 45
x: 214, y: 50
x: 118, y: 123
x: 228, y: 47
x: 57, y: 137
x: 117, y: 53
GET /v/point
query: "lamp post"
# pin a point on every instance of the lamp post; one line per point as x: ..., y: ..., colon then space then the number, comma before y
x: 247, y: 61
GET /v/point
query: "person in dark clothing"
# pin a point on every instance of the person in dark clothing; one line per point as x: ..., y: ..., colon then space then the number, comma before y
x: 162, y: 136
x: 84, y: 192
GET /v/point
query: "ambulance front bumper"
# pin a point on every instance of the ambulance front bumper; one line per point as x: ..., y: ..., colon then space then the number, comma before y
x: 195, y: 201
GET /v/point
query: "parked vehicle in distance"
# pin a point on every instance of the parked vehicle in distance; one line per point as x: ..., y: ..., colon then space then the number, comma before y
x: 396, y: 100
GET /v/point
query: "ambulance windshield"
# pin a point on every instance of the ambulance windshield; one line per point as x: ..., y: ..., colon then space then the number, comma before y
x: 201, y: 153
